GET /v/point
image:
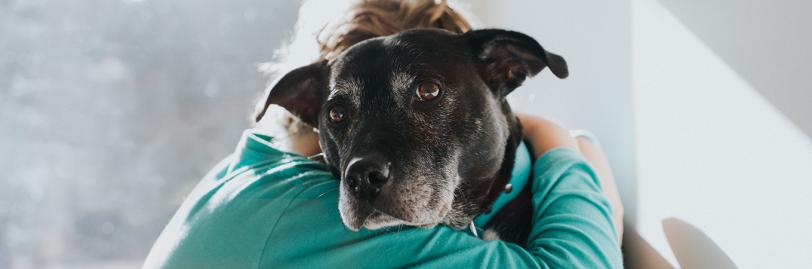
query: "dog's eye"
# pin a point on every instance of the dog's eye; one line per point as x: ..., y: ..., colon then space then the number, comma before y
x: 337, y: 114
x: 427, y: 91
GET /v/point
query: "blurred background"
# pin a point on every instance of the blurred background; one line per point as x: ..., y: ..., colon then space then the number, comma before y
x: 111, y: 111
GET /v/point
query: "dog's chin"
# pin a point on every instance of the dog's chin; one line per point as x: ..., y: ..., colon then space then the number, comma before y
x: 378, y: 220
x: 354, y: 220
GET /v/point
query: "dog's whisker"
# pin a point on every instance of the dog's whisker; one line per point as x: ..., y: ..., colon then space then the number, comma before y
x: 319, y: 156
x: 328, y: 191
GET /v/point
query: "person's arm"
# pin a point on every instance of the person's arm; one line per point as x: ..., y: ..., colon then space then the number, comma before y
x: 544, y: 135
x: 263, y: 208
x: 596, y: 158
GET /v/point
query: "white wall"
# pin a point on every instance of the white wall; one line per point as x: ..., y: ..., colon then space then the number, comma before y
x: 766, y: 41
x: 713, y: 151
x: 594, y: 38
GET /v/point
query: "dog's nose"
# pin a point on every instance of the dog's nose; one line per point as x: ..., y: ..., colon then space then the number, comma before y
x: 365, y: 176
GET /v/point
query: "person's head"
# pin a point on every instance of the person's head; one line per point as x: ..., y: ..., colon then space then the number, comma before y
x: 367, y: 19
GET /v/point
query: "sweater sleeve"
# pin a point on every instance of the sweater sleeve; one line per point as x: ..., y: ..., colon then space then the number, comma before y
x: 572, y: 220
x: 572, y: 228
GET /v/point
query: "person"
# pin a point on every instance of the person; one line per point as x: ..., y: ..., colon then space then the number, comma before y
x: 269, y: 206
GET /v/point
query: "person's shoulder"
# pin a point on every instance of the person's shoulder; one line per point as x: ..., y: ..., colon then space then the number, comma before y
x: 225, y: 222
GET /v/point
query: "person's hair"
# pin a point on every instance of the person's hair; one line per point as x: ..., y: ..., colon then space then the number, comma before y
x: 367, y: 19
x: 373, y: 18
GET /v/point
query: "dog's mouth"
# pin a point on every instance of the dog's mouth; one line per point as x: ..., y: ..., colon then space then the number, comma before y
x: 379, y: 219
x: 372, y: 219
x: 357, y: 214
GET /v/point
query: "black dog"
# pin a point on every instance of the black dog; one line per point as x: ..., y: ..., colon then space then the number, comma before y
x: 417, y: 127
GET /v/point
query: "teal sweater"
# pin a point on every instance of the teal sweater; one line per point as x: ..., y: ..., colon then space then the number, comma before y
x: 265, y: 208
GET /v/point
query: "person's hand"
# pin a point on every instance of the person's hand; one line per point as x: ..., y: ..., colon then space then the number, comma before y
x: 545, y: 135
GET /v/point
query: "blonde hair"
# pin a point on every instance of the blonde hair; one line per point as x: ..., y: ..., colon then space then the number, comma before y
x: 366, y: 19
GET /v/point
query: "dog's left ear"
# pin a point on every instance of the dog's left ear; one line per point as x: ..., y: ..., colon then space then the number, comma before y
x: 300, y: 91
x: 507, y: 58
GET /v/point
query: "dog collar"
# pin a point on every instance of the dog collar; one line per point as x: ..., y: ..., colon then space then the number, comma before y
x: 518, y: 180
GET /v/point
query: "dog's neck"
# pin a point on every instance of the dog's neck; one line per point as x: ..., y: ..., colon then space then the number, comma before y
x: 502, y: 177
x: 484, y: 194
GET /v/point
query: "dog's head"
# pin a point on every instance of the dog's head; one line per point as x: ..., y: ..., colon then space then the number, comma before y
x: 416, y: 124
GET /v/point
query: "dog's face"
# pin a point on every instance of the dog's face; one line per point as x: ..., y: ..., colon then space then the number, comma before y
x: 415, y: 124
